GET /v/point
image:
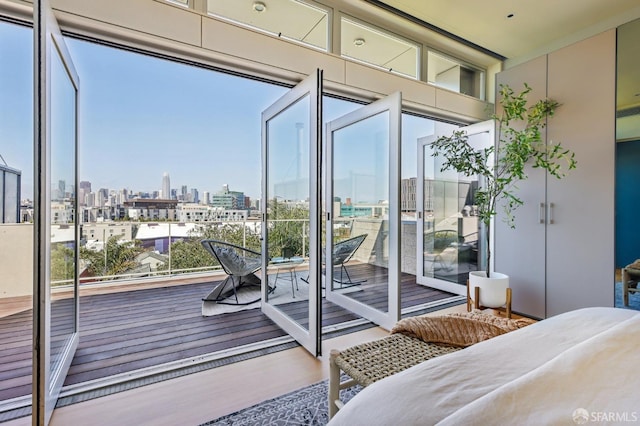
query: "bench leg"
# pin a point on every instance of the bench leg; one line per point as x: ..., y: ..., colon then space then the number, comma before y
x: 334, y: 383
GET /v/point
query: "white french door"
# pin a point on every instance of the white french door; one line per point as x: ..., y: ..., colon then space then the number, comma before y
x: 449, y: 236
x: 291, y: 176
x: 362, y: 198
x: 55, y: 331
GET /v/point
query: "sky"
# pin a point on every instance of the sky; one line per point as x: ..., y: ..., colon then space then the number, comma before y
x: 140, y: 117
x: 16, y: 100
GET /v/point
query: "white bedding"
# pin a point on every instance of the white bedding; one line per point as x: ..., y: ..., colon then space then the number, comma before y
x: 541, y: 374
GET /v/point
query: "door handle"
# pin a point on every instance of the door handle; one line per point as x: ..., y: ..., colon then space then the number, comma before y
x: 551, y: 213
x: 541, y: 213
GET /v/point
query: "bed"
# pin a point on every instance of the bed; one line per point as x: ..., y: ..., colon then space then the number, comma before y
x: 579, y: 366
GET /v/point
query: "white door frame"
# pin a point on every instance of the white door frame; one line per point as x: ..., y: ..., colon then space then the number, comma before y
x: 392, y: 104
x: 310, y: 338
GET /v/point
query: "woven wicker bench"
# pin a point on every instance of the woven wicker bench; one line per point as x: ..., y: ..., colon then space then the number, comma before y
x: 369, y: 362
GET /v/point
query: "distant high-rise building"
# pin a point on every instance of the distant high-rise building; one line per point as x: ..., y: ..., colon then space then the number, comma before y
x: 123, y: 196
x: 206, y: 198
x: 101, y: 199
x: 194, y: 196
x: 9, y: 194
x: 408, y: 194
x: 90, y: 199
x: 174, y: 194
x: 166, y: 186
x: 228, y: 199
x: 84, y: 188
x: 61, y: 190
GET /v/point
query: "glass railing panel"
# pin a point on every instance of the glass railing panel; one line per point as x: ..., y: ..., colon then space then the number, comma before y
x: 139, y: 250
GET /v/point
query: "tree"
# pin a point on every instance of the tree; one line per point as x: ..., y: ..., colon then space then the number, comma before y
x: 285, y: 231
x: 62, y: 263
x: 120, y: 257
x: 189, y: 253
x: 286, y: 228
x: 501, y: 166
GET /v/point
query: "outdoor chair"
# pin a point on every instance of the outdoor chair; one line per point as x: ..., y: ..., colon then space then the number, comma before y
x: 239, y: 263
x: 342, y: 252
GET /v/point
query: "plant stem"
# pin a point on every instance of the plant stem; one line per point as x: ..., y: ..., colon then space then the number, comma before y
x: 488, y: 257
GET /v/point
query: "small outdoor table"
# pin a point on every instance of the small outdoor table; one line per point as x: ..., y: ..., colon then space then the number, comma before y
x: 288, y: 264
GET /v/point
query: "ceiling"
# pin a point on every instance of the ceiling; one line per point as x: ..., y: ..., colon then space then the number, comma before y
x: 538, y: 26
x: 515, y: 29
x: 535, y: 23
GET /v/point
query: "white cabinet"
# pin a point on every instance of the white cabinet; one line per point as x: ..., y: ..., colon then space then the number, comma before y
x: 521, y: 252
x: 560, y: 256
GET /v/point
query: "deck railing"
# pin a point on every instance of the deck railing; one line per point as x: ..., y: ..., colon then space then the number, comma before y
x: 159, y: 242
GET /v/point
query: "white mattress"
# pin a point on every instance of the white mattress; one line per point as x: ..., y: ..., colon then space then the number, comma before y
x: 524, y: 373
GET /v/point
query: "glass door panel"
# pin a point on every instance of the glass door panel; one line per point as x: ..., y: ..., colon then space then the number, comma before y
x: 448, y: 230
x: 362, y: 232
x: 290, y: 231
x: 63, y: 207
x: 56, y: 227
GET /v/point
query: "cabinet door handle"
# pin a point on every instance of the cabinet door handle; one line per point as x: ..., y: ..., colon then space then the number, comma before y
x: 541, y: 213
x: 551, y: 213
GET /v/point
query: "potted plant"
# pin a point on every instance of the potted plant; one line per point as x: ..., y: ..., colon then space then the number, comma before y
x: 501, y: 166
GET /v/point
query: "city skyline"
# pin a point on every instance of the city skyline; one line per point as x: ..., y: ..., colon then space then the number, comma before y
x: 186, y: 193
x: 141, y: 116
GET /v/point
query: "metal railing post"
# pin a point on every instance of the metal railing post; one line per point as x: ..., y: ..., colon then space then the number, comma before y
x: 304, y: 239
x: 104, y: 249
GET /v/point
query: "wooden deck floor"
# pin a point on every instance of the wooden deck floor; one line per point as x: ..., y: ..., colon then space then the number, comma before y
x: 126, y: 331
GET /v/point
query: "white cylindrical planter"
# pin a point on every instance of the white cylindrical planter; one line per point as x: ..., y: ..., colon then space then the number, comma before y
x: 493, y: 291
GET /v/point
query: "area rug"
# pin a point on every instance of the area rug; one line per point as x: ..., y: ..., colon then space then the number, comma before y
x: 247, y: 293
x: 306, y: 406
x: 634, y: 299
x: 281, y: 294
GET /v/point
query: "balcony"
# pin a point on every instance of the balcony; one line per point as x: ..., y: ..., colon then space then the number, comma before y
x: 139, y: 330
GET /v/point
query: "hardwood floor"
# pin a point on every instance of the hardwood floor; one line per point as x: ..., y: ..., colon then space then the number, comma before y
x: 124, y: 331
x: 201, y: 397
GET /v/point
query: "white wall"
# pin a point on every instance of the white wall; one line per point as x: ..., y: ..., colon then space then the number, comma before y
x: 16, y: 261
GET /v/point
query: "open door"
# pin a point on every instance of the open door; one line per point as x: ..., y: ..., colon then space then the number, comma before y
x: 362, y: 255
x: 448, y: 230
x: 56, y: 225
x: 291, y: 168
